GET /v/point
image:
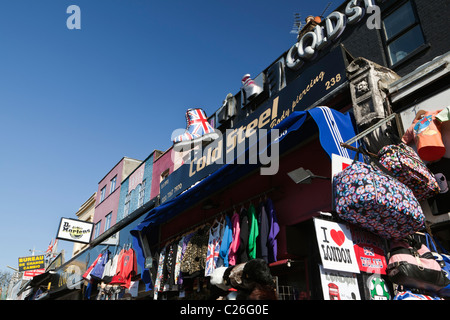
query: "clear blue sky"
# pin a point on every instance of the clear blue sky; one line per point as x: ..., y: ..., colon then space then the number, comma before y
x: 74, y: 102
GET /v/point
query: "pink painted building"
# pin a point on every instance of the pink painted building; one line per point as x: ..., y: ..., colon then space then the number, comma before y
x: 108, y: 195
x: 163, y: 166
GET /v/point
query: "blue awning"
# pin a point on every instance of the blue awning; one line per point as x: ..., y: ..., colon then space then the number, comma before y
x: 334, y: 128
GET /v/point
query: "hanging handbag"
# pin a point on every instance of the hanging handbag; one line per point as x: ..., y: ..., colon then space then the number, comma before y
x: 405, y: 165
x: 443, y: 259
x: 377, y: 202
x: 411, y: 264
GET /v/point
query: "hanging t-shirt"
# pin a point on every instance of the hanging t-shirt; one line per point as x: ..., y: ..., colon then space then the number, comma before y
x: 242, y: 253
x: 194, y: 257
x: 214, y: 242
x: 274, y: 230
x: 87, y: 274
x: 235, y: 242
x: 118, y: 278
x: 253, y: 232
x: 107, y: 270
x: 129, y: 267
x: 178, y: 257
x: 184, y: 244
x: 425, y: 132
x: 97, y: 271
x: 227, y: 237
x: 159, y: 273
x: 115, y: 261
x: 169, y: 265
x: 264, y: 229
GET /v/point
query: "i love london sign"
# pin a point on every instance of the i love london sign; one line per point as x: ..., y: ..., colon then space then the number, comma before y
x: 336, y: 246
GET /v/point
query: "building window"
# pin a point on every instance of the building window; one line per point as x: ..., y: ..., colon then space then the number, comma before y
x: 402, y: 33
x: 165, y: 175
x: 113, y: 185
x: 126, y: 210
x: 97, y: 229
x: 108, y: 221
x: 141, y: 193
x: 103, y: 194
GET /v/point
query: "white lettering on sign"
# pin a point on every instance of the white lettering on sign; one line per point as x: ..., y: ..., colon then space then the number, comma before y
x: 322, y: 35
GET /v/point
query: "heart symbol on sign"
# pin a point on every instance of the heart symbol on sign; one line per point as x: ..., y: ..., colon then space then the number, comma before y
x: 337, y: 236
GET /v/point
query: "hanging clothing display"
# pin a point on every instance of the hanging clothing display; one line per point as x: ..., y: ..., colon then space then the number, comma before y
x: 169, y: 266
x: 178, y: 257
x: 126, y: 268
x: 194, y: 257
x: 274, y: 229
x: 264, y: 229
x: 226, y: 242
x: 253, y: 231
x: 97, y: 271
x: 214, y: 242
x: 87, y: 274
x: 159, y: 273
x: 425, y: 133
x: 236, y: 238
x: 242, y: 253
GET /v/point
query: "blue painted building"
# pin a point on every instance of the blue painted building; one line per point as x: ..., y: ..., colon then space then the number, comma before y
x: 135, y: 189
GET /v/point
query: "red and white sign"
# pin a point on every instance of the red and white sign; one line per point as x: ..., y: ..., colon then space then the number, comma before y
x: 30, y: 274
x: 339, y: 163
x: 338, y: 285
x: 369, y: 251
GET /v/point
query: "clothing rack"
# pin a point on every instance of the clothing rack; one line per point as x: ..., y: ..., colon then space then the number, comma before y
x: 215, y: 216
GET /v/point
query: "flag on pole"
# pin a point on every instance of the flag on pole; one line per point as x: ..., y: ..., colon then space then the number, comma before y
x: 50, y: 247
x: 55, y: 247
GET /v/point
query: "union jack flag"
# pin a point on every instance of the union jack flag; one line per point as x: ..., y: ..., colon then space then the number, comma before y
x: 198, y: 125
x: 212, y: 256
x: 198, y: 122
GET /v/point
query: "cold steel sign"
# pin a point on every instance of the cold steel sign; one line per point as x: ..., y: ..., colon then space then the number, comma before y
x: 315, y: 82
x: 75, y: 230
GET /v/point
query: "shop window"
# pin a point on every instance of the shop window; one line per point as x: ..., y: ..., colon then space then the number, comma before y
x: 402, y: 33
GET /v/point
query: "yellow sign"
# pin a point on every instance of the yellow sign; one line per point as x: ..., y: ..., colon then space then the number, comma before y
x: 31, y: 263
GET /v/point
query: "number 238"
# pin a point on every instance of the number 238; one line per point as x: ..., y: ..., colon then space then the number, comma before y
x: 332, y: 81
